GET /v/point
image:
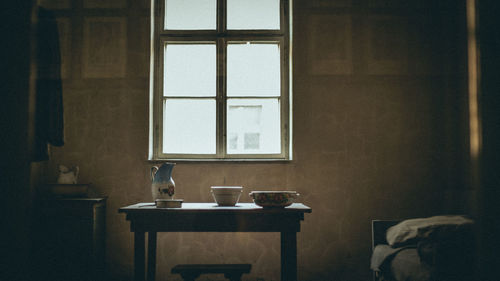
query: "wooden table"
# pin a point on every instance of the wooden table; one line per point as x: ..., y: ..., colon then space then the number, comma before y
x: 208, y: 217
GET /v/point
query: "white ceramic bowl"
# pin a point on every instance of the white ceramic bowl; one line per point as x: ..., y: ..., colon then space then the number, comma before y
x: 226, y: 195
x: 273, y: 199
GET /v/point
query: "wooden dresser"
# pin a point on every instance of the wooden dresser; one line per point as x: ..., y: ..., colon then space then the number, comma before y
x: 69, y: 239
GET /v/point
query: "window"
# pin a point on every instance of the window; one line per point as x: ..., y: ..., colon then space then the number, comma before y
x: 220, y: 87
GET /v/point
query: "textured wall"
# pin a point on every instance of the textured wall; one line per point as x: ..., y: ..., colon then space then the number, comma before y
x: 379, y: 118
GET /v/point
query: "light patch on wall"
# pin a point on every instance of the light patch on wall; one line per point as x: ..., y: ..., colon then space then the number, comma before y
x: 385, y: 44
x: 386, y: 3
x: 427, y: 56
x: 55, y: 4
x: 473, y: 57
x: 64, y: 28
x: 138, y: 47
x: 330, y: 46
x: 104, y: 47
x: 110, y: 4
x: 329, y: 3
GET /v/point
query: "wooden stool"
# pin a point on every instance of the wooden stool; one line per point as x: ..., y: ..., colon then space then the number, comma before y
x: 189, y: 272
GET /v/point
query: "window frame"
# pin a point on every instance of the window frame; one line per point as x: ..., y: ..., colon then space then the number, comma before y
x: 221, y: 37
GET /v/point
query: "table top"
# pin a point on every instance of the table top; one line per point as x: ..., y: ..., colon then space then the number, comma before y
x: 214, y: 208
x: 78, y: 199
x: 209, y: 217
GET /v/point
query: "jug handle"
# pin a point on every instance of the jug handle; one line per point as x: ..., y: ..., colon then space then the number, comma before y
x: 154, y: 169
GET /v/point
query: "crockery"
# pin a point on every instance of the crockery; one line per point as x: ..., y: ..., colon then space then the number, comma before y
x: 270, y: 199
x: 226, y: 195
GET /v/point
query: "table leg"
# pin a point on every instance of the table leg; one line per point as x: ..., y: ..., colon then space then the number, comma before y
x: 151, y: 256
x: 139, y: 256
x: 288, y: 256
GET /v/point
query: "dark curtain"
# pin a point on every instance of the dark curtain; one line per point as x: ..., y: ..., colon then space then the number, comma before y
x: 49, y: 122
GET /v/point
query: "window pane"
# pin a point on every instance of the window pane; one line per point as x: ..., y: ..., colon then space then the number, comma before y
x: 254, y: 14
x: 253, y: 70
x: 189, y: 126
x: 190, y: 70
x: 190, y: 14
x: 253, y: 126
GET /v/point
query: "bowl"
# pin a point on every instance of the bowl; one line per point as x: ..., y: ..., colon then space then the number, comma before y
x: 273, y: 199
x: 226, y: 195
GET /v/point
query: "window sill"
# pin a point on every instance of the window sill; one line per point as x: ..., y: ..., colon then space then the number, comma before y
x: 235, y: 160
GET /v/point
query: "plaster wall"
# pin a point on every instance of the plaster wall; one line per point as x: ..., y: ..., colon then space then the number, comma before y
x: 379, y: 106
